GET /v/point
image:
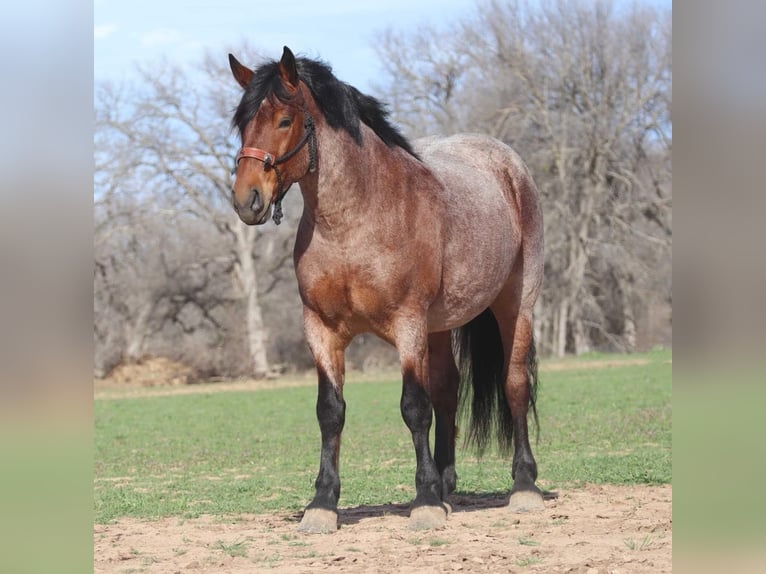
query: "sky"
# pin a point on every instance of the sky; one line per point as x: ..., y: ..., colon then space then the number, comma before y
x: 341, y: 32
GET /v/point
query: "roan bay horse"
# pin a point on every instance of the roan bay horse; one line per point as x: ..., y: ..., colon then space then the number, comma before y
x: 411, y: 243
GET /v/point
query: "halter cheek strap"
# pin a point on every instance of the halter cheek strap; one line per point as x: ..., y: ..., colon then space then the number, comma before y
x: 309, y: 136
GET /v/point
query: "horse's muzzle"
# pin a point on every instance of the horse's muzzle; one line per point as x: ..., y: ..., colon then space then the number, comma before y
x: 252, y: 211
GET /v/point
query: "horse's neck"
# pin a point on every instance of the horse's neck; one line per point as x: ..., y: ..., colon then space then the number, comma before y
x: 344, y: 187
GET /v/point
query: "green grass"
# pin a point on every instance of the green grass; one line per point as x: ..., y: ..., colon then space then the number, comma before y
x: 644, y: 544
x: 528, y: 542
x: 234, y: 549
x: 529, y: 561
x: 235, y: 452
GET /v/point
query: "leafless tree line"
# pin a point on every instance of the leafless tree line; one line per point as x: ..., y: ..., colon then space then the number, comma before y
x: 581, y: 90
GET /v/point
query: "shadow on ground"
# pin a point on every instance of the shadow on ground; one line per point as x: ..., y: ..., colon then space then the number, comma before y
x: 460, y: 502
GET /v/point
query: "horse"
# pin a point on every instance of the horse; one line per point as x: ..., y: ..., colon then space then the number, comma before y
x: 436, y: 247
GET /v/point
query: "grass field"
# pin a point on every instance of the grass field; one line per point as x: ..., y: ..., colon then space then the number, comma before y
x: 604, y: 419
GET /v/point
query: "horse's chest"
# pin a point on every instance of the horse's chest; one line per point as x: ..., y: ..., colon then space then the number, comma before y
x: 356, y: 296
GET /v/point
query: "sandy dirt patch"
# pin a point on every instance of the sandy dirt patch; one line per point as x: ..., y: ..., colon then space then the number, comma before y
x: 593, y: 530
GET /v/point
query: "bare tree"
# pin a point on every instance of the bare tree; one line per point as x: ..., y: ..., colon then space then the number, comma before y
x: 164, y: 152
x: 583, y: 91
x: 151, y: 280
x: 428, y: 74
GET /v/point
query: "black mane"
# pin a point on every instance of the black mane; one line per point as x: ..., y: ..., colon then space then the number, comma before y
x: 343, y: 105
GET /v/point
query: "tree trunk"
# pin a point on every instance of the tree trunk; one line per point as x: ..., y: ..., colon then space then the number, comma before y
x: 136, y: 334
x: 246, y: 271
x: 561, y: 329
x: 579, y: 336
x: 629, y: 319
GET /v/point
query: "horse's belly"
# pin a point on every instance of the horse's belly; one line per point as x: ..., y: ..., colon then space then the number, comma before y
x: 472, y: 278
x: 443, y: 317
x: 460, y: 304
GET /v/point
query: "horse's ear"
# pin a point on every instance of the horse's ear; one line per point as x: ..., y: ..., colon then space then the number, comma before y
x: 287, y: 68
x: 242, y: 74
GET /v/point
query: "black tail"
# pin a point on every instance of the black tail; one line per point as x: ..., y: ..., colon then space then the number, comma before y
x: 479, y: 353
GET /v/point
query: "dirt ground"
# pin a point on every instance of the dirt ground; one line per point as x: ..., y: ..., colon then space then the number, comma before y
x: 594, y: 530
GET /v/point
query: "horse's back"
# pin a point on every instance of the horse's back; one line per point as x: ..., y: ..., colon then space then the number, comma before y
x: 476, y: 165
x: 492, y: 210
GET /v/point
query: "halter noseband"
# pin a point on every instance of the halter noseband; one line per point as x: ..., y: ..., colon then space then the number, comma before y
x: 269, y: 161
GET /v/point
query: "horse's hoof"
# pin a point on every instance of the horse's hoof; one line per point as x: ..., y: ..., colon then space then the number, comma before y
x: 526, y: 501
x: 318, y: 521
x: 427, y: 517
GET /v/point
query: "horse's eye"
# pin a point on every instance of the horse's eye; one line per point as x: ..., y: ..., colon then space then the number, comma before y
x: 285, y: 122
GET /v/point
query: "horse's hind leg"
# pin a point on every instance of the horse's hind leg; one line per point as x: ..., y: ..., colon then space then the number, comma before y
x: 514, y: 321
x: 417, y: 410
x: 328, y: 348
x: 443, y: 381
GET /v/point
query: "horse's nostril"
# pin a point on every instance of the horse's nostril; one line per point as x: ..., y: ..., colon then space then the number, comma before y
x: 255, y: 201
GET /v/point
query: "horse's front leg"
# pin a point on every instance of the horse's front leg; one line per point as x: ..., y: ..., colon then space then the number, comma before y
x: 417, y: 409
x: 328, y: 349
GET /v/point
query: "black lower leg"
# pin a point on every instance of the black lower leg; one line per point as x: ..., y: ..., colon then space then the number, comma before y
x: 444, y: 452
x: 331, y: 413
x: 524, y: 467
x: 417, y: 414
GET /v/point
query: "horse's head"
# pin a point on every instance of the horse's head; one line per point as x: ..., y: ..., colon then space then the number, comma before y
x: 275, y: 127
